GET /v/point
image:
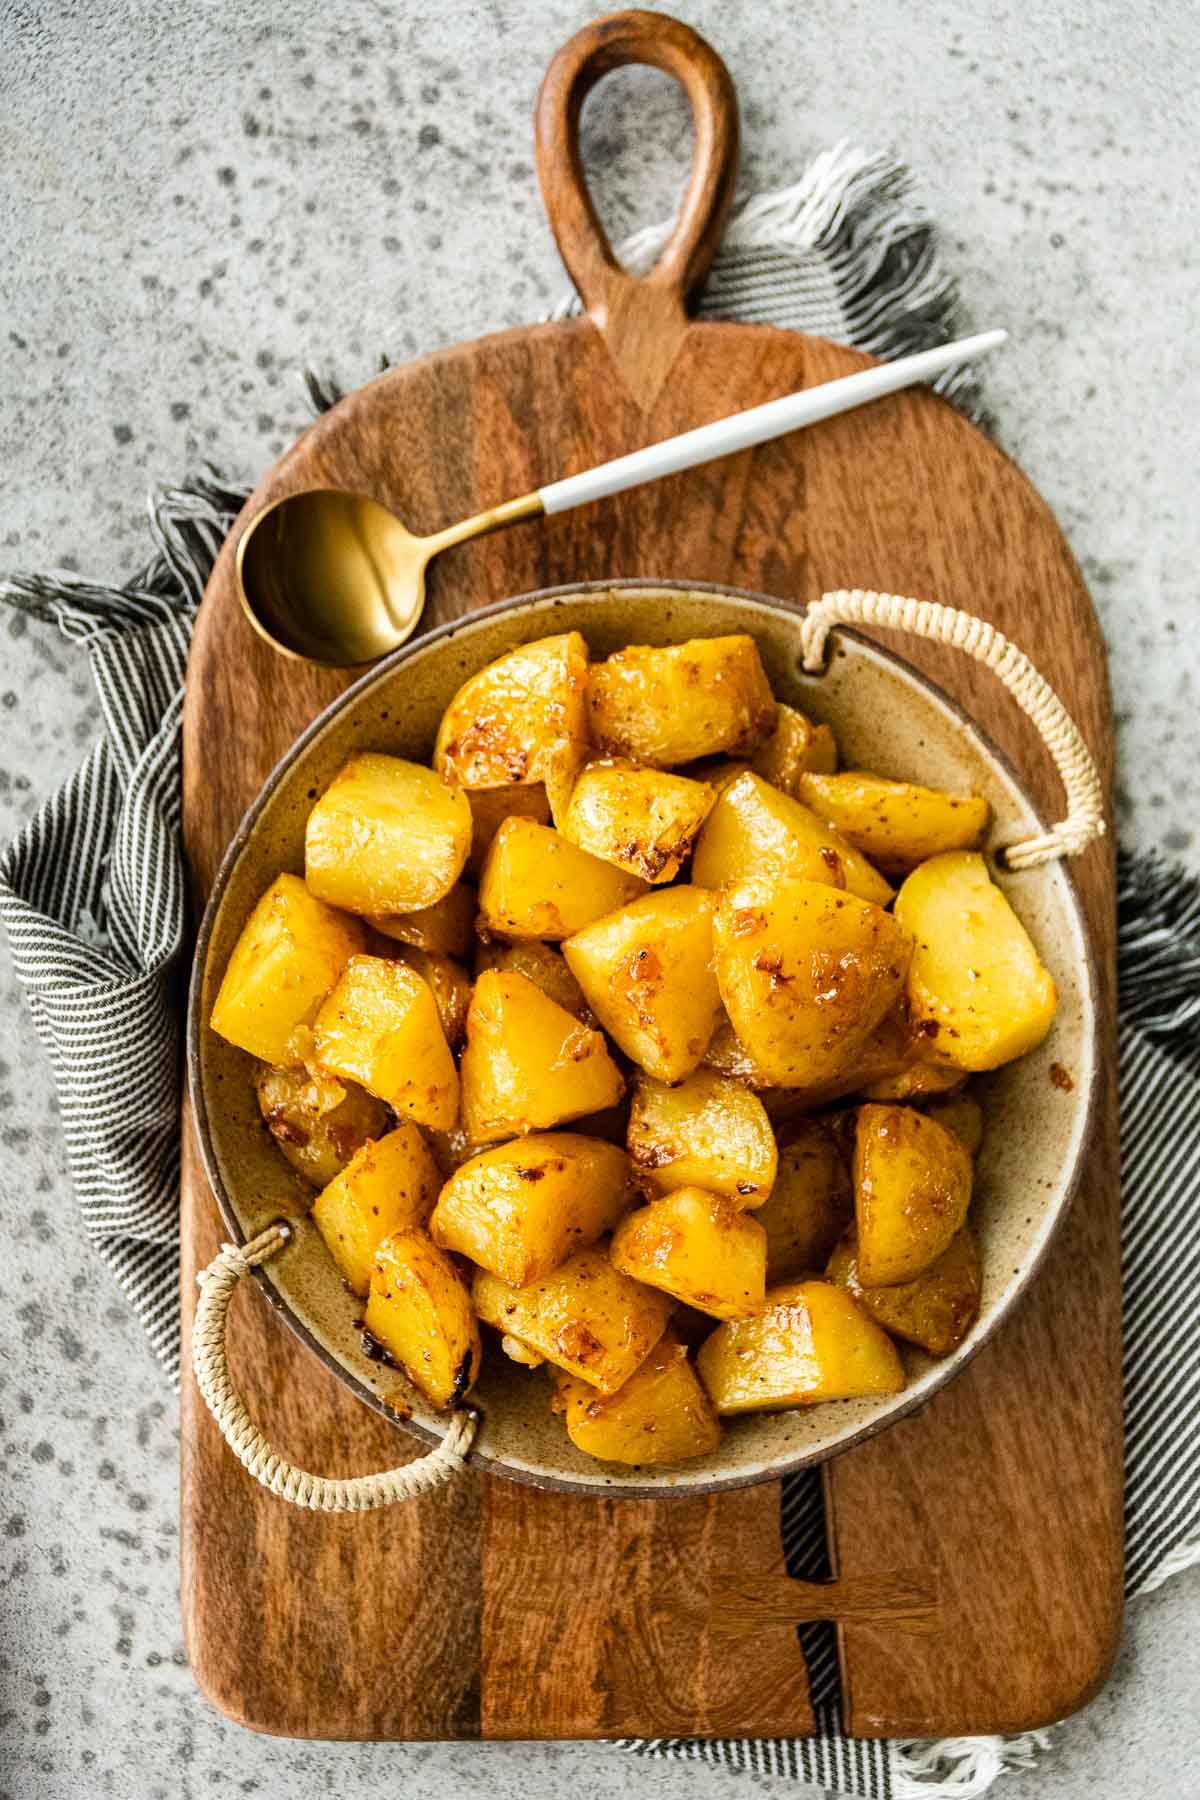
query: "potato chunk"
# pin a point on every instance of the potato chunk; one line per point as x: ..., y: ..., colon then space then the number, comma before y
x: 806, y: 974
x: 449, y: 984
x: 794, y: 747
x: 489, y: 809
x: 975, y: 983
x: 292, y: 949
x: 386, y: 836
x: 660, y: 1415
x: 811, y: 1342
x: 380, y: 1027
x: 521, y: 1209
x: 755, y: 831
x: 586, y: 1318
x: 671, y: 705
x: 962, y: 1115
x: 447, y: 928
x: 896, y: 823
x: 522, y: 719
x: 810, y: 1205
x: 646, y: 972
x: 419, y: 1310
x: 537, y: 885
x: 640, y: 819
x: 385, y: 1187
x: 912, y: 1188
x: 698, y: 1247
x: 936, y: 1310
x: 317, y: 1121
x: 529, y: 1063
x: 707, y: 1132
x: 539, y: 963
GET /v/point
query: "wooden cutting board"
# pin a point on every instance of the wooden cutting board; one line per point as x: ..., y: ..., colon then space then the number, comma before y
x: 977, y: 1547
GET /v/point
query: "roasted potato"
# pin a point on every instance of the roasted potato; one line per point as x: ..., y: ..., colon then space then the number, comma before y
x: 700, y: 1248
x: 537, y: 885
x: 960, y: 1114
x: 529, y: 1064
x: 646, y: 972
x: 669, y: 705
x: 660, y: 1415
x: 292, y: 949
x: 449, y: 984
x: 806, y: 973
x: 812, y: 1341
x: 419, y: 1311
x: 489, y: 809
x: 317, y: 1121
x: 754, y: 830
x: 794, y: 747
x: 386, y: 1187
x: 707, y: 1132
x: 522, y: 1208
x: 810, y: 1204
x: 380, y: 1027
x: 640, y: 819
x: 976, y: 984
x: 912, y: 1188
x: 896, y: 823
x: 936, y: 1310
x: 540, y: 963
x: 586, y: 1318
x: 447, y: 928
x: 386, y: 836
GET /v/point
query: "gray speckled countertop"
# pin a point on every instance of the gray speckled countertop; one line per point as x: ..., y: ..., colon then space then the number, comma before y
x: 199, y: 197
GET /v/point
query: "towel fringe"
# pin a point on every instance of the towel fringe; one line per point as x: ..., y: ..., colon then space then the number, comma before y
x: 959, y: 1768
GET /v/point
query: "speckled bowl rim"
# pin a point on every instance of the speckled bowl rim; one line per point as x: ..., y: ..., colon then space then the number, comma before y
x: 904, y: 1407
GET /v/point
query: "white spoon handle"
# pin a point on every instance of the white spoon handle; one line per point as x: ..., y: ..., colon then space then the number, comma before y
x: 760, y: 424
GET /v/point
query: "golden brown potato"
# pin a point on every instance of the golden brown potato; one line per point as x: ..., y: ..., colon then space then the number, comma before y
x: 529, y: 1064
x: 727, y: 1055
x: 386, y: 1187
x: 522, y: 1208
x: 896, y: 823
x: 447, y: 928
x: 754, y: 831
x: 699, y: 1248
x: 380, y: 1027
x: 386, y: 836
x: 317, y: 1121
x: 640, y: 819
x: 449, y: 984
x: 707, y: 1132
x: 419, y: 1310
x: 810, y: 1205
x: 912, y: 1188
x: 936, y: 1310
x: 794, y: 747
x: 489, y: 809
x: 537, y: 885
x: 646, y: 972
x: 522, y: 719
x: 660, y: 1415
x: 976, y: 984
x: 452, y: 1148
x: 811, y: 1342
x: 586, y: 1318
x: 291, y: 951
x: 806, y: 974
x: 669, y: 705
x: 539, y: 963
x: 962, y: 1115
x: 916, y: 1080
x: 518, y: 1352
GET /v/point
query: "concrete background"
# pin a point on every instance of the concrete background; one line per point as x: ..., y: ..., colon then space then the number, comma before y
x: 198, y: 198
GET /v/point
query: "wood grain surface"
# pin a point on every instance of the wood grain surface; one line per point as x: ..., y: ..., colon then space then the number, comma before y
x: 977, y: 1546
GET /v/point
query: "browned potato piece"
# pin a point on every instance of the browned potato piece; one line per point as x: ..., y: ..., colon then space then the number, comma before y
x: 727, y: 1055
x: 537, y: 885
x: 449, y: 984
x: 669, y: 705
x: 447, y: 928
x: 811, y: 1342
x: 896, y: 823
x: 317, y: 1121
x: 521, y: 1209
x: 962, y: 1115
x: 806, y: 974
x: 975, y: 984
x: 539, y: 963
x: 660, y: 1415
x: 755, y: 831
x: 810, y: 1205
x: 586, y: 1318
x: 794, y: 747
x: 291, y: 951
x: 936, y: 1310
x: 518, y: 1352
x: 386, y: 1187
x: 646, y: 972
x: 529, y: 1063
x: 640, y: 819
x: 386, y: 836
x: 419, y: 1310
x: 912, y: 1188
x: 700, y: 1248
x: 489, y: 809
x: 707, y: 1132
x: 380, y: 1027
x: 452, y: 1148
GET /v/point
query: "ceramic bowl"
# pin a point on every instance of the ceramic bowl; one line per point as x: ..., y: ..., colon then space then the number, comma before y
x: 887, y: 718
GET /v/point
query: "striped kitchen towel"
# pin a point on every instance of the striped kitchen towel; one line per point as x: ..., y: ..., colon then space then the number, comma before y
x: 91, y: 893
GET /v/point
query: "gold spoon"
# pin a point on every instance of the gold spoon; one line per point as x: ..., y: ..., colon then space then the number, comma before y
x: 334, y: 578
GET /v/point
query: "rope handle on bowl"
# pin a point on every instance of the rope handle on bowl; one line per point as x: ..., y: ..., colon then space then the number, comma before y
x: 1084, y: 819
x: 320, y: 1493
